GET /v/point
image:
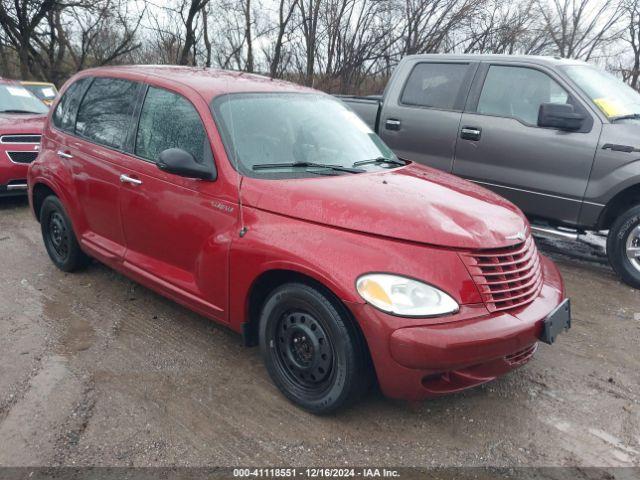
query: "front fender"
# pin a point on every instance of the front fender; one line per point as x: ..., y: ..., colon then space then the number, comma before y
x: 614, y: 170
x: 335, y: 258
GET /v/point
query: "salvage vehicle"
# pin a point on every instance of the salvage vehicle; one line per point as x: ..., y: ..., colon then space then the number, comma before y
x: 273, y: 209
x: 21, y: 119
x: 559, y: 138
x: 44, y: 91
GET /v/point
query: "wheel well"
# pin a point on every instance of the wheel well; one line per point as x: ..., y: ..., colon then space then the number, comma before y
x: 618, y: 204
x: 266, y: 283
x: 40, y: 192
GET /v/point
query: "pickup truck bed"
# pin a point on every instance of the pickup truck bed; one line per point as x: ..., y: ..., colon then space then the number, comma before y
x: 367, y: 108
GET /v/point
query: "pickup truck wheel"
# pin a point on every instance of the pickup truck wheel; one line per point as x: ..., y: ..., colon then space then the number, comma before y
x: 59, y: 238
x: 623, y: 246
x: 312, y: 350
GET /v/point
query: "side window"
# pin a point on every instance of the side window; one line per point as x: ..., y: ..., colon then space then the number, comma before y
x: 105, y: 113
x: 169, y: 120
x: 518, y: 92
x: 65, y: 113
x: 434, y: 85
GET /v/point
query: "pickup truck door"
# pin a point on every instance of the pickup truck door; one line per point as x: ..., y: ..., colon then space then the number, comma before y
x: 420, y: 117
x: 544, y: 171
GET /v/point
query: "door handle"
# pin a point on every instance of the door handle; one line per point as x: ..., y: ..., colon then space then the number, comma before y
x: 470, y: 133
x: 127, y: 179
x: 63, y: 154
x: 392, y: 124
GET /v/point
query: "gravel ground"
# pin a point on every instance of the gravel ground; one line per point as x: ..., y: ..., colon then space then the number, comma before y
x: 97, y: 370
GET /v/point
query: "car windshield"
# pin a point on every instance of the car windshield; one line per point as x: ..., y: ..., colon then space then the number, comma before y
x: 17, y: 99
x: 43, y: 92
x: 612, y: 96
x: 289, y: 135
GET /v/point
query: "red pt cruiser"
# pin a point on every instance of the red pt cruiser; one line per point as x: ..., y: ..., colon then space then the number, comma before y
x: 274, y: 210
x: 22, y: 116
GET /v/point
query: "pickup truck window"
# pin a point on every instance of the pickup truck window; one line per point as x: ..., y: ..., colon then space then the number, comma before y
x: 434, y: 85
x: 105, y: 113
x: 518, y: 92
x: 613, y: 97
x: 292, y: 135
x: 168, y: 120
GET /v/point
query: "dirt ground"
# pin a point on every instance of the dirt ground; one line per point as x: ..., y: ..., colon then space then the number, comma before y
x: 97, y: 370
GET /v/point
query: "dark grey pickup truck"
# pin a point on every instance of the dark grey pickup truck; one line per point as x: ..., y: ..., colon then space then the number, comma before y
x: 559, y: 138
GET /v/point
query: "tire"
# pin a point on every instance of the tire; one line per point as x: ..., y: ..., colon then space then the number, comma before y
x: 312, y: 350
x: 624, y: 235
x: 59, y: 238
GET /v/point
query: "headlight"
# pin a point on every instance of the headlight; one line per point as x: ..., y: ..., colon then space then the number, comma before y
x: 404, y: 296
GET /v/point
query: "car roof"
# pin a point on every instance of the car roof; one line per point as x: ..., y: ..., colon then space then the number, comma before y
x: 209, y: 82
x: 7, y: 81
x: 534, y: 59
x: 39, y: 84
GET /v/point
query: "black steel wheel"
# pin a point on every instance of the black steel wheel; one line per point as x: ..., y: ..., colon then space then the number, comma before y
x: 58, y: 235
x: 312, y: 350
x: 303, y: 350
x: 59, y: 238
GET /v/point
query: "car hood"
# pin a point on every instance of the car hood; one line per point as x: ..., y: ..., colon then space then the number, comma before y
x: 21, y: 123
x: 620, y: 133
x: 412, y: 203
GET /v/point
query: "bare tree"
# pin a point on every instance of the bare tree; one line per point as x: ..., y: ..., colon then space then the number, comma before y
x: 21, y: 23
x: 105, y: 32
x: 189, y: 10
x: 579, y: 27
x: 310, y: 17
x: 356, y: 37
x: 506, y: 27
x: 427, y: 25
x: 205, y: 36
x: 286, y: 9
x: 631, y: 18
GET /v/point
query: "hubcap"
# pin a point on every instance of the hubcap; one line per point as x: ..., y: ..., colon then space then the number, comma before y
x: 58, y: 234
x: 633, y: 247
x: 304, y: 351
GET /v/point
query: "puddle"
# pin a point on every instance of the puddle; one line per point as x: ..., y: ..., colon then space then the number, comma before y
x: 75, y: 333
x: 78, y: 336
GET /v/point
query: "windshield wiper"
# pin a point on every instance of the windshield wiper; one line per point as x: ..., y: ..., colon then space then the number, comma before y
x: 17, y: 111
x: 394, y: 161
x: 339, y: 168
x: 631, y: 116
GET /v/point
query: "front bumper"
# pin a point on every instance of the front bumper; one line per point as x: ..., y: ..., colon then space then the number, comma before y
x: 475, y: 347
x: 14, y: 187
x: 13, y: 176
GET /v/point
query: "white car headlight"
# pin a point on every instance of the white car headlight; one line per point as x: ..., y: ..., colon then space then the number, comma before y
x: 403, y: 296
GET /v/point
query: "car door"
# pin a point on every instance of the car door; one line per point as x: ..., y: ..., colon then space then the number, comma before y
x: 94, y: 154
x: 177, y: 229
x: 542, y: 170
x: 420, y: 118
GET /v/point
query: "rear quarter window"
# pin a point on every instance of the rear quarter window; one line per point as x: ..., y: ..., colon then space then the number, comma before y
x: 435, y: 85
x: 105, y: 114
x: 64, y: 115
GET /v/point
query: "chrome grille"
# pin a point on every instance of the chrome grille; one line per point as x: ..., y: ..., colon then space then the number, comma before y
x: 20, y: 139
x: 507, y: 277
x: 22, y: 157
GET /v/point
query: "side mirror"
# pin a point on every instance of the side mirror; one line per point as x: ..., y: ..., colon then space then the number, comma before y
x: 180, y: 162
x: 559, y: 115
